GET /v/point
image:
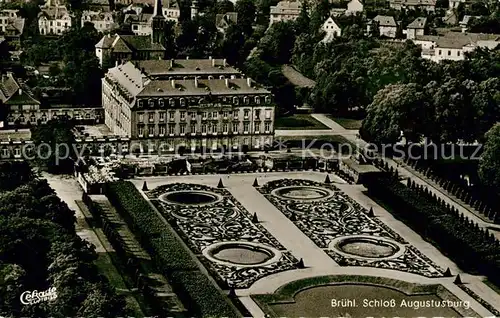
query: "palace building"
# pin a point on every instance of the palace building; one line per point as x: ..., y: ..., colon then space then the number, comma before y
x: 193, y: 109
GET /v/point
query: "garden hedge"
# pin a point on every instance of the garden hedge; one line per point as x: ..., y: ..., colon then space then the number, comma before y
x: 170, y: 255
x: 157, y: 237
x: 204, y: 298
x: 463, y: 241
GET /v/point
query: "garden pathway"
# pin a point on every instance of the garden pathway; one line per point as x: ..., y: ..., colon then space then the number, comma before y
x: 316, y: 260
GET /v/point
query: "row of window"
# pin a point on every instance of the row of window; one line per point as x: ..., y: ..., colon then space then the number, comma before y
x: 449, y: 53
x: 206, y: 128
x: 204, y: 115
x: 44, y: 118
x: 183, y: 102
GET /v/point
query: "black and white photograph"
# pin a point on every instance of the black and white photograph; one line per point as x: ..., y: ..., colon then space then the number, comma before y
x: 249, y: 158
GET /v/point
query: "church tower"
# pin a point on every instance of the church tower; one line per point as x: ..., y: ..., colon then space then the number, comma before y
x: 158, y: 24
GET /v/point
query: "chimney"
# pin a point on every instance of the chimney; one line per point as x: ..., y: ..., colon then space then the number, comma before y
x: 171, y: 63
x: 196, y: 81
x: 20, y: 91
x: 213, y: 62
x: 224, y: 62
x: 226, y: 81
x: 249, y: 82
x: 173, y: 83
x: 116, y: 63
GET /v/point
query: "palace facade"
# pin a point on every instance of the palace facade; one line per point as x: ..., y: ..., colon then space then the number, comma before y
x: 193, y: 112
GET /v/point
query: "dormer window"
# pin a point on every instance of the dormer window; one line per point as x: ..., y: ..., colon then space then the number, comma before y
x: 183, y: 102
x: 246, y: 100
x: 268, y: 99
x: 257, y: 100
x: 151, y: 102
x: 201, y: 101
x: 161, y: 102
x: 236, y: 101
x: 171, y: 102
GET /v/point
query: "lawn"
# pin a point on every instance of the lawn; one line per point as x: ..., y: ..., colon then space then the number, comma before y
x: 298, y: 121
x: 347, y: 123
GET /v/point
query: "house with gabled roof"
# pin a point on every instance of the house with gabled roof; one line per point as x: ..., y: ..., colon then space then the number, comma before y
x: 386, y: 25
x: 53, y: 19
x: 135, y: 47
x: 225, y: 20
x: 331, y: 29
x: 417, y: 27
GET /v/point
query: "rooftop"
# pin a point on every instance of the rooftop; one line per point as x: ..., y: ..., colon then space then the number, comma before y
x: 418, y: 23
x: 136, y: 83
x: 384, y: 20
x: 286, y: 5
x: 181, y: 67
x: 20, y: 134
x: 128, y: 43
x: 414, y: 2
x: 459, y: 40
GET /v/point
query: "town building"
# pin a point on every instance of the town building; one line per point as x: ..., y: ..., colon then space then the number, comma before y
x: 135, y: 47
x: 386, y: 26
x: 22, y: 109
x: 331, y: 29
x: 353, y: 7
x: 285, y: 11
x: 465, y: 23
x: 199, y: 112
x: 453, y: 45
x: 102, y: 21
x: 423, y: 5
x: 53, y: 19
x: 416, y: 28
x: 11, y: 26
x: 140, y: 23
x: 225, y: 20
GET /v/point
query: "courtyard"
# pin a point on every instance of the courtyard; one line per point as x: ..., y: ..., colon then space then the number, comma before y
x: 285, y: 233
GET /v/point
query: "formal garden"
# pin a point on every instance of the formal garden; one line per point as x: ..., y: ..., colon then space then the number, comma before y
x: 348, y: 233
x: 235, y: 248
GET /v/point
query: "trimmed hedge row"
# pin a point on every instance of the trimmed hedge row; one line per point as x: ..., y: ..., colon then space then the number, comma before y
x: 201, y: 293
x: 169, y: 254
x: 156, y: 237
x: 462, y: 240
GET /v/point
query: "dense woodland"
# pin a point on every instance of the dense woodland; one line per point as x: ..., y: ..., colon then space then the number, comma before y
x: 39, y: 248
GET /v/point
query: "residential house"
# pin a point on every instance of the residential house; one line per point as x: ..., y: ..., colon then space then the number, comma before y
x: 453, y: 45
x: 386, y: 26
x: 53, y: 19
x: 225, y: 20
x: 102, y: 21
x: 417, y: 27
x: 354, y: 7
x: 285, y: 11
x: 135, y: 47
x: 11, y: 26
x: 139, y: 24
x: 331, y: 29
x: 15, y: 99
x: 465, y: 23
x: 424, y: 5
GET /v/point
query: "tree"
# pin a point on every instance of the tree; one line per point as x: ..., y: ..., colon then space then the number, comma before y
x: 396, y: 108
x: 246, y: 14
x: 224, y: 6
x: 277, y: 44
x: 489, y: 165
x: 59, y: 153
